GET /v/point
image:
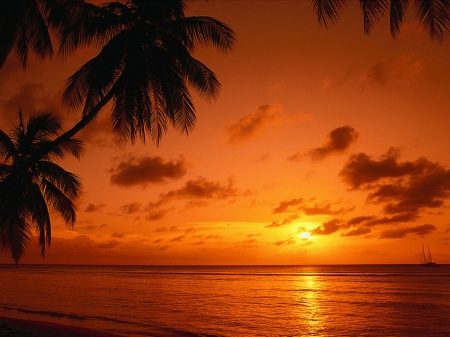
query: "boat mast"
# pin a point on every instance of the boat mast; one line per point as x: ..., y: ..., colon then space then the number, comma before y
x: 429, y: 255
x: 424, y: 257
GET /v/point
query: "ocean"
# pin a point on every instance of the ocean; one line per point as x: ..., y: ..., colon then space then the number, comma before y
x: 350, y: 300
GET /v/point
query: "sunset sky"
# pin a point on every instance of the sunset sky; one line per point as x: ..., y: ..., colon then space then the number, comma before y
x: 324, y: 147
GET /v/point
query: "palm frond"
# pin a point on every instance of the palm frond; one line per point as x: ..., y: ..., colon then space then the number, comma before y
x: 13, y: 13
x: 435, y: 17
x: 69, y: 183
x: 40, y: 216
x: 328, y: 11
x: 83, y: 24
x: 7, y: 147
x: 208, y: 31
x: 373, y: 11
x: 15, y: 235
x: 397, y: 12
x: 59, y: 202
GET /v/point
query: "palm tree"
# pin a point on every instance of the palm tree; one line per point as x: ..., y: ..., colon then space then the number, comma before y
x: 145, y: 66
x: 23, y: 26
x: 26, y: 24
x: 434, y: 15
x: 30, y: 182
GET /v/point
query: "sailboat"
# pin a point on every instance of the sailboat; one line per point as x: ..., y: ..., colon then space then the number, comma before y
x: 428, y: 261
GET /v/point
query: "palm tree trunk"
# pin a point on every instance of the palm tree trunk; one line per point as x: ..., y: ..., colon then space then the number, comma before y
x: 85, y: 120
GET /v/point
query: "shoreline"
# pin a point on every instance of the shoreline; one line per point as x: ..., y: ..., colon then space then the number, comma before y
x: 17, y: 327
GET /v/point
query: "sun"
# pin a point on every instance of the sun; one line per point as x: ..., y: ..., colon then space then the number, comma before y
x: 305, y: 235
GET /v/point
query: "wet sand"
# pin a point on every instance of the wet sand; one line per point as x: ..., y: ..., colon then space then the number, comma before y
x: 13, y: 327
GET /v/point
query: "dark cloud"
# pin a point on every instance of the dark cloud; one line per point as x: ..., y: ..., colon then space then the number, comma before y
x: 178, y: 238
x: 404, y: 187
x: 403, y: 68
x: 329, y: 227
x: 359, y: 219
x: 118, y: 235
x: 250, y: 124
x: 94, y: 208
x: 190, y: 230
x: 338, y: 141
x: 396, y: 219
x: 196, y: 192
x: 286, y: 221
x: 110, y: 244
x: 198, y: 243
x: 402, y: 232
x: 357, y: 231
x: 309, y: 208
x: 289, y: 241
x: 158, y: 241
x: 285, y: 206
x: 147, y: 170
x: 131, y: 208
x: 167, y: 229
x: 156, y: 215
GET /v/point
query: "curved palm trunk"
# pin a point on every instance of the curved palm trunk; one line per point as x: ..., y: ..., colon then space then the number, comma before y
x: 85, y: 120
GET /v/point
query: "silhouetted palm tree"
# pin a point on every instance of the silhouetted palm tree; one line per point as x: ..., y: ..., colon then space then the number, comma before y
x: 145, y: 66
x: 30, y: 182
x: 434, y: 15
x: 23, y: 25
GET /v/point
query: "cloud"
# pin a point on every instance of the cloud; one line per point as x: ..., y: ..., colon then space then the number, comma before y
x: 246, y: 127
x: 167, y: 229
x: 286, y: 221
x: 201, y: 189
x: 338, y: 140
x: 178, y: 238
x: 359, y: 219
x: 110, y: 244
x: 195, y: 192
x: 156, y: 215
x: 284, y: 206
x: 141, y: 171
x: 402, y: 232
x: 94, y: 208
x: 403, y: 68
x: 118, y: 235
x: 131, y: 208
x: 329, y: 227
x: 309, y: 208
x: 403, y: 187
x: 357, y: 231
x: 289, y: 241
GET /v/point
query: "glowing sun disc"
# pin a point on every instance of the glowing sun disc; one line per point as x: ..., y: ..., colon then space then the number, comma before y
x: 305, y: 235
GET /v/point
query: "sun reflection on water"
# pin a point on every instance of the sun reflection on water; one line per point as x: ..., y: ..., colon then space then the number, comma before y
x: 309, y: 309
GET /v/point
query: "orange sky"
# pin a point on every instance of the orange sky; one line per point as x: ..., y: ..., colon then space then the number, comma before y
x: 330, y: 132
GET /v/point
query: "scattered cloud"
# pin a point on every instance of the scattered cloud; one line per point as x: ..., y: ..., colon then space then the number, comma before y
x: 406, y: 67
x: 329, y: 227
x: 178, y: 238
x: 141, y: 171
x: 338, y: 140
x: 94, y: 208
x: 131, y: 208
x: 357, y: 231
x: 403, y: 187
x: 402, y: 232
x: 309, y: 207
x: 167, y: 229
x: 289, y: 241
x: 118, y: 235
x: 246, y: 127
x: 285, y: 222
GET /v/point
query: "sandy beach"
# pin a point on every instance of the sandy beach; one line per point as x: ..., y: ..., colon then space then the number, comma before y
x: 13, y: 327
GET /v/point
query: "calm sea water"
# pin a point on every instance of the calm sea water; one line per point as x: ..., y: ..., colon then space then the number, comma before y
x: 354, y: 300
